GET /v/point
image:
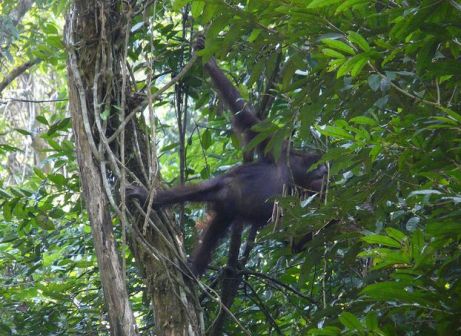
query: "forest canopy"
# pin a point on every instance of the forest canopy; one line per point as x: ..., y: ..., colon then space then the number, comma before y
x: 97, y: 96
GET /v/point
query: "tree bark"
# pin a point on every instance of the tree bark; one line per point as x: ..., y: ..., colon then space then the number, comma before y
x: 21, y: 9
x: 80, y: 23
x: 161, y: 257
x: 94, y: 35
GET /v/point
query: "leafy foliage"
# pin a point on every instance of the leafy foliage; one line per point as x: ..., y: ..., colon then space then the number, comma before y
x: 380, y: 83
x: 374, y: 85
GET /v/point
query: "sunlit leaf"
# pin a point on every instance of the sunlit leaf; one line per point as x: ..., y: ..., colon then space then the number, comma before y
x: 382, y: 240
x: 363, y: 120
x: 358, y: 39
x: 339, y: 45
x: 322, y: 3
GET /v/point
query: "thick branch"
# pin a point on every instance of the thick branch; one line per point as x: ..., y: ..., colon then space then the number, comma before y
x: 16, y: 72
x: 21, y: 9
x: 34, y: 101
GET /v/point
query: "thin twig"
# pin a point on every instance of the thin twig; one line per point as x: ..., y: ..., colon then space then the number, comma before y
x: 96, y: 113
x: 123, y: 217
x: 280, y: 284
x: 406, y: 93
x: 38, y: 101
x: 257, y: 300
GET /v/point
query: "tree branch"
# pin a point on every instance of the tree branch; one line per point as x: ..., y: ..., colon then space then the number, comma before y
x: 16, y: 72
x: 21, y: 9
x: 265, y: 310
x: 280, y: 285
x: 35, y: 101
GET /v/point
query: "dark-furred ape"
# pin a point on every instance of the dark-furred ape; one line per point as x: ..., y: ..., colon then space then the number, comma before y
x: 246, y: 192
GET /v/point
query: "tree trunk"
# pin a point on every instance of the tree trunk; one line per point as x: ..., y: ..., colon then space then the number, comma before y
x: 80, y: 24
x: 95, y: 34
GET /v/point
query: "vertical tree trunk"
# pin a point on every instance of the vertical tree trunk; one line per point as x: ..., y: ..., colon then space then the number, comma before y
x: 159, y: 253
x: 95, y: 32
x: 81, y: 25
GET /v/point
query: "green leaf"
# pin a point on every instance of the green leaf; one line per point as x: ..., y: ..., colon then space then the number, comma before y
x: 254, y: 34
x: 54, y: 144
x: 371, y: 321
x: 56, y: 213
x: 453, y: 114
x: 385, y: 257
x: 26, y: 294
x: 55, y: 41
x: 8, y: 148
x: 382, y: 240
x: 426, y: 54
x: 348, y: 4
x: 6, y: 330
x: 444, y: 228
x: 211, y: 12
x: 197, y: 8
x: 178, y: 4
x: 339, y: 45
x: 39, y: 173
x: 334, y: 64
x: 375, y: 150
x: 41, y: 119
x: 23, y: 131
x: 336, y: 132
x: 332, y: 53
x: 44, y: 222
x: 359, y: 64
x: 350, y: 321
x: 396, y: 234
x: 60, y: 125
x: 206, y: 139
x: 450, y: 122
x: 353, y: 65
x: 169, y: 147
x: 391, y: 291
x: 359, y: 40
x: 362, y: 120
x: 417, y: 243
x: 57, y: 179
x: 322, y: 3
x: 325, y: 331
x: 4, y: 194
x: 7, y: 213
x: 105, y: 114
x: 50, y: 29
x: 256, y: 72
x: 345, y: 68
x: 49, y: 258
